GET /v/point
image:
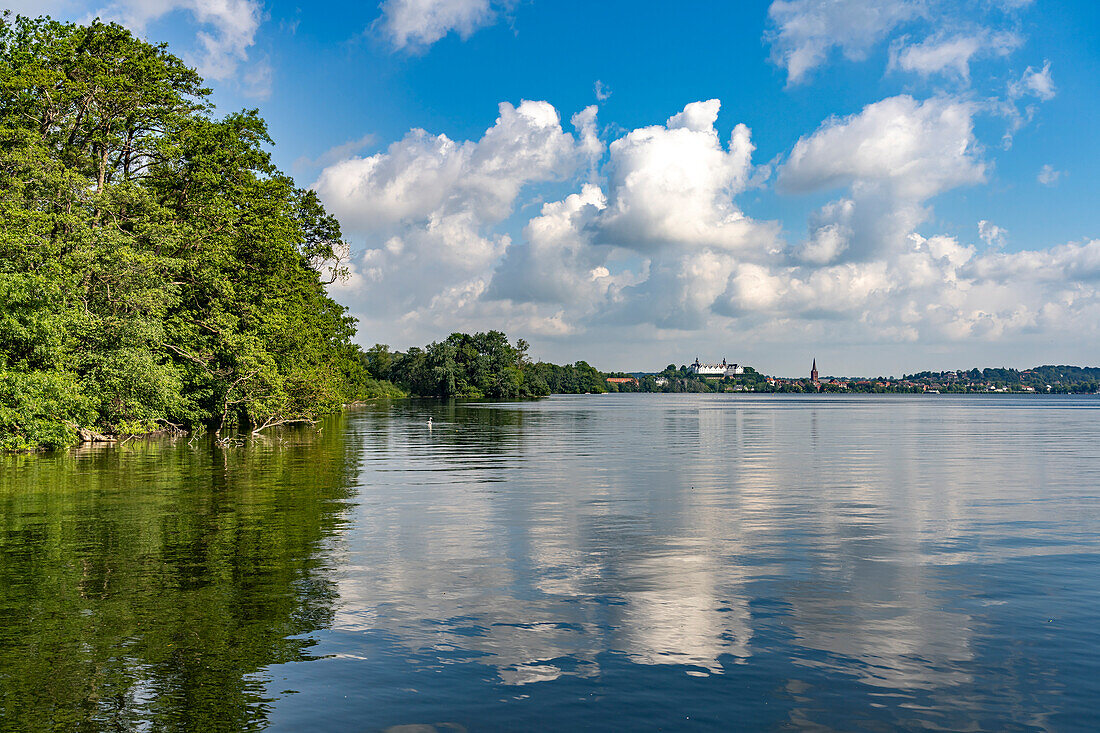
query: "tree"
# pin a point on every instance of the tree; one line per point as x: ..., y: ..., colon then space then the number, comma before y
x: 480, y: 365
x: 155, y: 267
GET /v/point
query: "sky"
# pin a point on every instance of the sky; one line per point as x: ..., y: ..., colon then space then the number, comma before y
x: 886, y: 186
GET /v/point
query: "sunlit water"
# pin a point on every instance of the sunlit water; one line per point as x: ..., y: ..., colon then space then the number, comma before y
x: 605, y: 562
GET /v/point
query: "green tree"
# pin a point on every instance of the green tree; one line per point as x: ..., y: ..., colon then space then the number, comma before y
x: 155, y: 267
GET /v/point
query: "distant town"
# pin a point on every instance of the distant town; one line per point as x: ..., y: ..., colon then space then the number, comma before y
x: 727, y: 376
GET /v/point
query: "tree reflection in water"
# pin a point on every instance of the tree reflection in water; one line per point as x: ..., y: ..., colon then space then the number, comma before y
x: 146, y: 586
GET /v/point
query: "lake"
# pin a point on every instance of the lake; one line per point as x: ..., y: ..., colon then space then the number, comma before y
x: 596, y: 561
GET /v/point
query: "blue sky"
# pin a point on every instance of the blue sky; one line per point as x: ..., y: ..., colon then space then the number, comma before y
x: 890, y: 186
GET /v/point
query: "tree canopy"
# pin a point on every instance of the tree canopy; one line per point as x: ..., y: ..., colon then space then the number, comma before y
x: 155, y: 267
x: 479, y: 365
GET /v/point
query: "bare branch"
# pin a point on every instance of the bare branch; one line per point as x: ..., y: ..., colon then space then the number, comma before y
x: 289, y: 421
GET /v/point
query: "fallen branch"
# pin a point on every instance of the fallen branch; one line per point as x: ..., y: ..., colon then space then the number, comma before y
x: 270, y: 423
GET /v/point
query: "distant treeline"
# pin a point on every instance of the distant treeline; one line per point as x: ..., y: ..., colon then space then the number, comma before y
x: 1043, y: 379
x: 479, y: 365
x: 1059, y: 379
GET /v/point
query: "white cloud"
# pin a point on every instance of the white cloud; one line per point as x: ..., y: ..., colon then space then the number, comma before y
x: 935, y: 290
x: 674, y: 184
x: 1037, y: 83
x: 893, y: 156
x: 426, y: 206
x: 556, y: 263
x: 1048, y: 176
x: 830, y: 233
x: 257, y: 79
x: 602, y: 91
x: 1032, y: 83
x: 653, y: 242
x: 950, y: 54
x: 420, y: 23
x: 916, y: 149
x: 584, y: 122
x: 227, y: 30
x: 991, y: 234
x: 1072, y: 266
x: 424, y: 175
x: 866, y: 269
x: 807, y: 30
x: 667, y: 222
x: 679, y: 291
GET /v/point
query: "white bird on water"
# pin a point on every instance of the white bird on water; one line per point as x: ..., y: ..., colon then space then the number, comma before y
x: 429, y: 422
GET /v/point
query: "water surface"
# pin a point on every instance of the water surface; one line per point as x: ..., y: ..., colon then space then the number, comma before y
x: 618, y: 561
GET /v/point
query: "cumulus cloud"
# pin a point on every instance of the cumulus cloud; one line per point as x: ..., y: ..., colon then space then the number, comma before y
x: 1073, y: 266
x: 675, y: 183
x: 807, y: 30
x: 669, y: 217
x: 936, y: 289
x: 830, y: 232
x: 657, y: 240
x: 865, y: 268
x: 556, y: 262
x: 678, y: 290
x: 892, y: 156
x: 916, y: 149
x: 950, y: 54
x: 420, y: 23
x: 427, y: 205
x: 424, y: 174
x: 806, y: 293
x: 227, y: 29
x: 652, y: 239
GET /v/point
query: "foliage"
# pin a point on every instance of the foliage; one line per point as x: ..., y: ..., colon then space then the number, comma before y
x: 155, y: 266
x: 481, y: 365
x: 577, y: 378
x: 1048, y: 379
x: 39, y: 409
x: 380, y: 388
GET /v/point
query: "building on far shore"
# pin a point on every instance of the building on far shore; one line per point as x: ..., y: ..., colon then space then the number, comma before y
x: 622, y: 380
x: 813, y: 373
x: 716, y: 370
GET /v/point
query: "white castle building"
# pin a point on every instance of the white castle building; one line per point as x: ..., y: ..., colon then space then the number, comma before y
x: 716, y: 370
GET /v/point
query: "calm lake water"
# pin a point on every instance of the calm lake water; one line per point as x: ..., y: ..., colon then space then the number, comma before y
x: 606, y: 562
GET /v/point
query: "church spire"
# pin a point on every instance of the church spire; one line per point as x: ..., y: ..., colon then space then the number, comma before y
x: 813, y: 371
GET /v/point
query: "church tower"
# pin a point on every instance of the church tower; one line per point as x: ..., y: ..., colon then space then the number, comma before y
x: 813, y: 372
